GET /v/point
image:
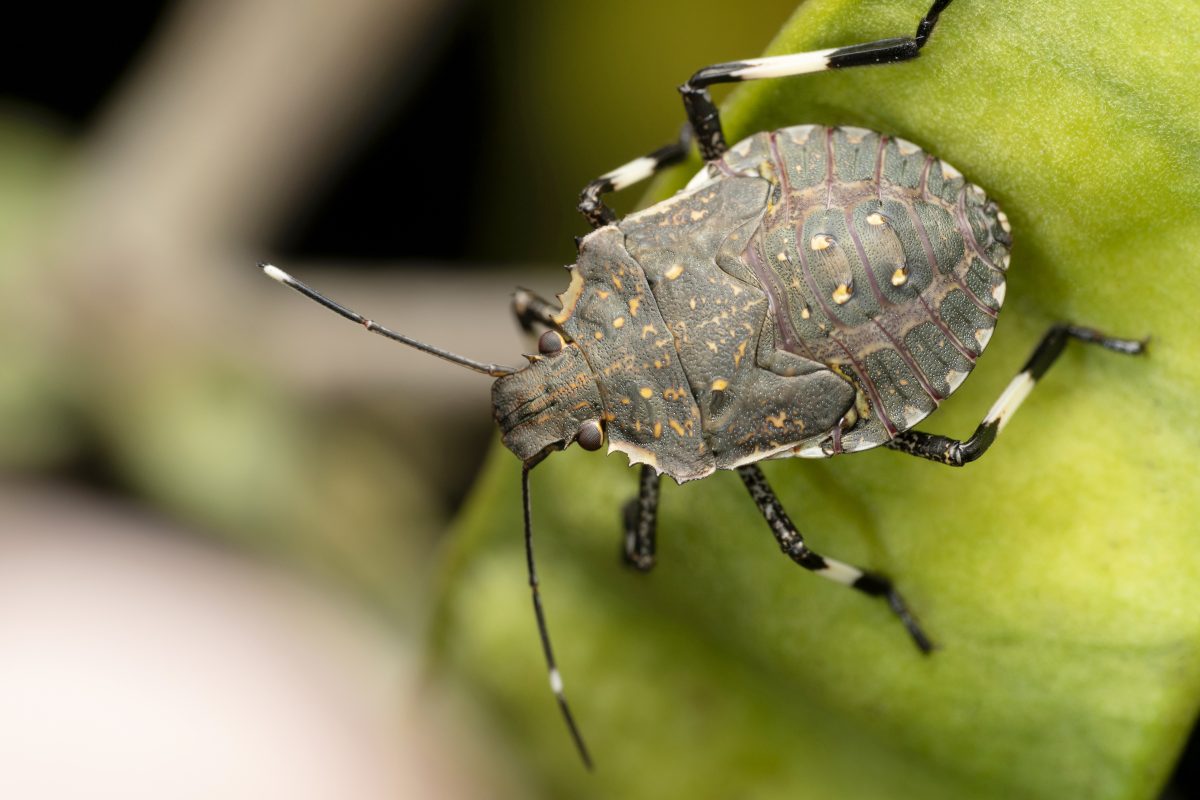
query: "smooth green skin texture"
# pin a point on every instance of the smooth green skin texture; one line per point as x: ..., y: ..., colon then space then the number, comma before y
x: 1060, y: 575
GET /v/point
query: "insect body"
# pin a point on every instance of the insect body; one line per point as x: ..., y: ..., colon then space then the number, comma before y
x: 813, y: 291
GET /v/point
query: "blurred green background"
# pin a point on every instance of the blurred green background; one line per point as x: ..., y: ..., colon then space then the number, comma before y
x: 160, y: 400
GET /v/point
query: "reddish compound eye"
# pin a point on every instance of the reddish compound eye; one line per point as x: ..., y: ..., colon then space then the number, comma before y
x: 550, y: 343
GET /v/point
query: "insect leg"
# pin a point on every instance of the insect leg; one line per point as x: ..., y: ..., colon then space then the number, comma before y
x: 556, y: 684
x: 641, y: 519
x: 702, y: 113
x: 590, y: 204
x: 956, y: 453
x: 529, y: 308
x: 791, y: 542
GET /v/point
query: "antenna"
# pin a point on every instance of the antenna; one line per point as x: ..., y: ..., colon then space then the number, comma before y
x: 556, y: 684
x: 495, y: 370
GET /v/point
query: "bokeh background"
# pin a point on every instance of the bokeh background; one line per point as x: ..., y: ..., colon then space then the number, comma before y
x: 222, y: 508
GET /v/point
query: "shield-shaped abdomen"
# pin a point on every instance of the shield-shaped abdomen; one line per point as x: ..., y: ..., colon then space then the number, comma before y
x: 880, y: 261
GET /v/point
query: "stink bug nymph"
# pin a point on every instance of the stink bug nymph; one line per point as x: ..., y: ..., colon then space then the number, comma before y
x: 813, y: 291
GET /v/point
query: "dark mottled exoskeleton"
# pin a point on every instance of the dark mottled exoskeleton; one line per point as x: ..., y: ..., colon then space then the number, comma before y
x: 813, y: 291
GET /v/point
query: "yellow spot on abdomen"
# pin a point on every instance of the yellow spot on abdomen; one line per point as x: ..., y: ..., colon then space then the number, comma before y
x: 698, y: 215
x: 777, y: 420
x: 598, y: 335
x: 900, y: 276
x: 633, y: 306
x: 821, y: 241
x: 618, y: 322
x: 720, y: 385
x: 674, y: 272
x: 675, y: 426
x: 841, y: 294
x: 616, y: 282
x: 741, y: 351
x: 875, y: 218
x: 646, y: 392
x: 657, y: 430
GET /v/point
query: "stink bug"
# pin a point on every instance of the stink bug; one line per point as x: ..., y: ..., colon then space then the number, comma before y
x: 813, y: 291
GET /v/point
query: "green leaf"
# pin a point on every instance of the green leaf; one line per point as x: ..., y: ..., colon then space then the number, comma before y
x: 1060, y: 575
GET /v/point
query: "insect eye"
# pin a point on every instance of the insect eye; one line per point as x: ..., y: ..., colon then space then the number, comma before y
x: 591, y: 435
x: 550, y: 343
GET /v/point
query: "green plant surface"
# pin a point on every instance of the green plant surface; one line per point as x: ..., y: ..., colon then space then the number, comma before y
x: 1059, y: 575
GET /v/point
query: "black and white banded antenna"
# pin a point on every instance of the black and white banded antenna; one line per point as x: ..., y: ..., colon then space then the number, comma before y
x: 495, y: 370
x: 556, y: 683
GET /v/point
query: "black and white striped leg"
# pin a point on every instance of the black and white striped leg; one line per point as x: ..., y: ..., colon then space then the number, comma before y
x: 702, y: 113
x: 556, y: 684
x: 641, y: 520
x: 791, y: 542
x: 531, y: 309
x: 945, y: 450
x: 590, y: 204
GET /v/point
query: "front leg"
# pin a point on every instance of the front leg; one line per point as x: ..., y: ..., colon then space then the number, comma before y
x: 641, y: 520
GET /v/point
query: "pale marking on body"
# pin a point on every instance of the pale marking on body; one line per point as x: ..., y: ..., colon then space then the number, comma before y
x: 1005, y: 260
x: 875, y: 218
x: 905, y: 147
x: 720, y: 385
x: 782, y: 66
x: 983, y: 336
x: 569, y: 297
x: 900, y: 276
x: 841, y: 295
x: 628, y: 174
x: 950, y: 173
x: 998, y: 293
x: 701, y: 178
x: 646, y: 392
x: 912, y: 415
x: 1002, y: 218
x: 954, y: 378
x: 556, y: 684
x: 821, y: 241
x: 799, y: 130
x: 618, y: 322
x: 812, y: 451
x: 854, y: 135
x: 1008, y: 402
x: 674, y: 272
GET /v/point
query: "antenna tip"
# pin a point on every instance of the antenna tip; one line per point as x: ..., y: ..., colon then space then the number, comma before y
x: 275, y: 272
